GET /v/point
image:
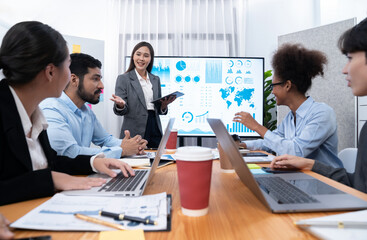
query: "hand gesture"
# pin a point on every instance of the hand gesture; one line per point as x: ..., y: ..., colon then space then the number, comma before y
x: 120, y: 103
x: 131, y: 146
x: 290, y: 161
x: 246, y: 119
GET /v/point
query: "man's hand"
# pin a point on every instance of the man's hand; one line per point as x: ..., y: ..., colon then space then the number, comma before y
x: 104, y: 165
x: 290, y: 161
x: 120, y: 103
x: 131, y: 146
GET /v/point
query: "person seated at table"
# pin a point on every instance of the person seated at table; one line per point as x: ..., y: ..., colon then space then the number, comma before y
x: 353, y: 43
x: 310, y: 128
x: 72, y: 124
x: 35, y: 61
x: 5, y: 233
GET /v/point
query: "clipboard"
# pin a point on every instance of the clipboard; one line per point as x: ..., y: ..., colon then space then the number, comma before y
x: 177, y: 94
x: 169, y: 216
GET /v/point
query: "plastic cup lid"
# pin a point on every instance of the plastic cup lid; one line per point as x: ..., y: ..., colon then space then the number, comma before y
x: 193, y: 153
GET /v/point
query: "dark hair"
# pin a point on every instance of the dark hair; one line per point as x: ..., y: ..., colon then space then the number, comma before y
x: 27, y: 48
x: 80, y: 63
x: 151, y: 50
x: 299, y: 65
x: 354, y: 39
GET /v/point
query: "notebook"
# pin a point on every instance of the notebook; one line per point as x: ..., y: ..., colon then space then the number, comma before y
x: 132, y: 186
x: 287, y: 192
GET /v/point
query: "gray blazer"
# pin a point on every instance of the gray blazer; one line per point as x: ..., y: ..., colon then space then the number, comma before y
x: 135, y: 111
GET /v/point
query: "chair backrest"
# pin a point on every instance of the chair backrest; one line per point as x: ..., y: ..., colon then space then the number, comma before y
x: 348, y: 156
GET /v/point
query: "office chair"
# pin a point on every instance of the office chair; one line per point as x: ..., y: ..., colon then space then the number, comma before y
x: 348, y: 156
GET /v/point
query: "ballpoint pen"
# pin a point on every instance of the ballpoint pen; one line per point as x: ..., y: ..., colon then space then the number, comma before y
x: 98, y: 221
x: 117, y: 216
x: 338, y: 224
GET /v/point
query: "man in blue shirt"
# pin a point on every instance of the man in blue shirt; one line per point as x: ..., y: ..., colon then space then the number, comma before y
x: 72, y: 124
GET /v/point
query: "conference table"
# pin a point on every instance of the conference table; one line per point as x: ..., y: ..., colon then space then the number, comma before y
x: 234, y: 212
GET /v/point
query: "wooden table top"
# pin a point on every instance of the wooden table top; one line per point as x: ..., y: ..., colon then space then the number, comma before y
x: 234, y: 212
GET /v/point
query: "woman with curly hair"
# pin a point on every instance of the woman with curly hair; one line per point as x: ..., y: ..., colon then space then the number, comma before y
x: 310, y: 128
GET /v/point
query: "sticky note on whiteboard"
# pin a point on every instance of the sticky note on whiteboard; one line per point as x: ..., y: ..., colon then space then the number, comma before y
x: 76, y: 48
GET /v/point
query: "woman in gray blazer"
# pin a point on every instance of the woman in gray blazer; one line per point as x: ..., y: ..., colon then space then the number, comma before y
x: 134, y: 92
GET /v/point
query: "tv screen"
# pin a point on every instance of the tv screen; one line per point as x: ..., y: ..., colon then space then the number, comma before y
x: 214, y: 87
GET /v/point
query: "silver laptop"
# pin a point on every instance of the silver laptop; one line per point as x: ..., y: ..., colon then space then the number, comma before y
x: 285, y: 192
x: 127, y: 187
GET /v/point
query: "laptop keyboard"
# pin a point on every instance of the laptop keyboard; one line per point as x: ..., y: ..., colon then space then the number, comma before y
x: 121, y: 183
x: 284, y: 192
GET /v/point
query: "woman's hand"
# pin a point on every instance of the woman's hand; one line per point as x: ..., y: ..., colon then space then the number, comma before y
x: 246, y: 119
x: 104, y: 165
x: 120, y: 103
x: 166, y: 101
x: 64, y: 181
x: 290, y: 161
x: 4, y: 231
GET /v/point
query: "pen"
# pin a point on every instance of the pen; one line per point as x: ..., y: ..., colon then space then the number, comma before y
x: 338, y: 224
x: 117, y: 216
x: 98, y: 221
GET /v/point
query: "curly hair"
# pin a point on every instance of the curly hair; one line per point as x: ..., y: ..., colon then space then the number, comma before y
x: 299, y: 65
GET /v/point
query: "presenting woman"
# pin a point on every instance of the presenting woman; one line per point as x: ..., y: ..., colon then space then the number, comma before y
x: 310, y: 128
x: 134, y: 92
x: 35, y: 62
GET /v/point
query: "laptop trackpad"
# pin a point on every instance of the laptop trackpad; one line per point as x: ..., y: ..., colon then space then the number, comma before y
x: 314, y: 187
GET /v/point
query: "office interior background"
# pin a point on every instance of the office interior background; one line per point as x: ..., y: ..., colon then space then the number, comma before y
x: 228, y: 28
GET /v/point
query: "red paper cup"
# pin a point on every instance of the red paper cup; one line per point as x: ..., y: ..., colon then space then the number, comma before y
x: 194, y: 168
x: 172, y: 140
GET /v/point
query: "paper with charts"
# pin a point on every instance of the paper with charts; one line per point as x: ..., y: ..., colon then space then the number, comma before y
x: 57, y: 214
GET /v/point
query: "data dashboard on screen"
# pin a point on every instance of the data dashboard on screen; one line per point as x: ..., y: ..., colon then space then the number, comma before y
x: 214, y: 87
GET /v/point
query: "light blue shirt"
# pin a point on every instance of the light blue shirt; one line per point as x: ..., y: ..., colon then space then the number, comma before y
x: 72, y: 130
x: 314, y: 135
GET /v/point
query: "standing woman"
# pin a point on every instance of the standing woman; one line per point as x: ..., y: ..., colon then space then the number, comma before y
x: 309, y: 129
x: 134, y: 92
x: 35, y: 62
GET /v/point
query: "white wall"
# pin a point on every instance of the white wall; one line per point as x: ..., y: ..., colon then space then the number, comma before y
x: 82, y: 18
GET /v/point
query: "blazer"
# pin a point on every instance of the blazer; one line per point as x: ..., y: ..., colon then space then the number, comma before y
x: 18, y: 181
x: 135, y: 111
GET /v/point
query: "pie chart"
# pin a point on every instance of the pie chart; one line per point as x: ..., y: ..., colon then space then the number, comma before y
x: 181, y: 65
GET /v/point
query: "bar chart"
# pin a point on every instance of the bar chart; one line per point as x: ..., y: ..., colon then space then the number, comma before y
x: 239, y: 127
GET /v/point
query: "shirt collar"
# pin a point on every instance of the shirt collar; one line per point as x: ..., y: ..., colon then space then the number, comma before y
x: 65, y: 98
x: 38, y: 123
x: 305, y: 106
x: 140, y: 77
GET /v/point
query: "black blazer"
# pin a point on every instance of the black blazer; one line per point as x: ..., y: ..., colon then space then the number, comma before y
x: 135, y: 111
x: 18, y: 181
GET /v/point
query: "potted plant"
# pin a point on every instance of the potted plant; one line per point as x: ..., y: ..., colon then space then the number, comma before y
x: 269, y: 102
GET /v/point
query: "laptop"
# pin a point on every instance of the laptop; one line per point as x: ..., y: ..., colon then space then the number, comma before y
x: 285, y: 192
x: 121, y: 186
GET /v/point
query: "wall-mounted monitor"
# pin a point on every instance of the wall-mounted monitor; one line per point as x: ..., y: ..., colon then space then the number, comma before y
x: 215, y: 87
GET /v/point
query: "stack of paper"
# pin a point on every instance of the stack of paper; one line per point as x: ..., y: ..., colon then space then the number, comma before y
x: 351, y: 225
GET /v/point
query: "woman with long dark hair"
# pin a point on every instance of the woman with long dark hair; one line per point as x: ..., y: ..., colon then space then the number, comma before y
x: 134, y: 92
x: 35, y: 62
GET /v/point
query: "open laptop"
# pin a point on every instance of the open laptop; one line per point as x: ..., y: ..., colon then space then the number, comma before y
x: 127, y: 187
x: 307, y: 193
